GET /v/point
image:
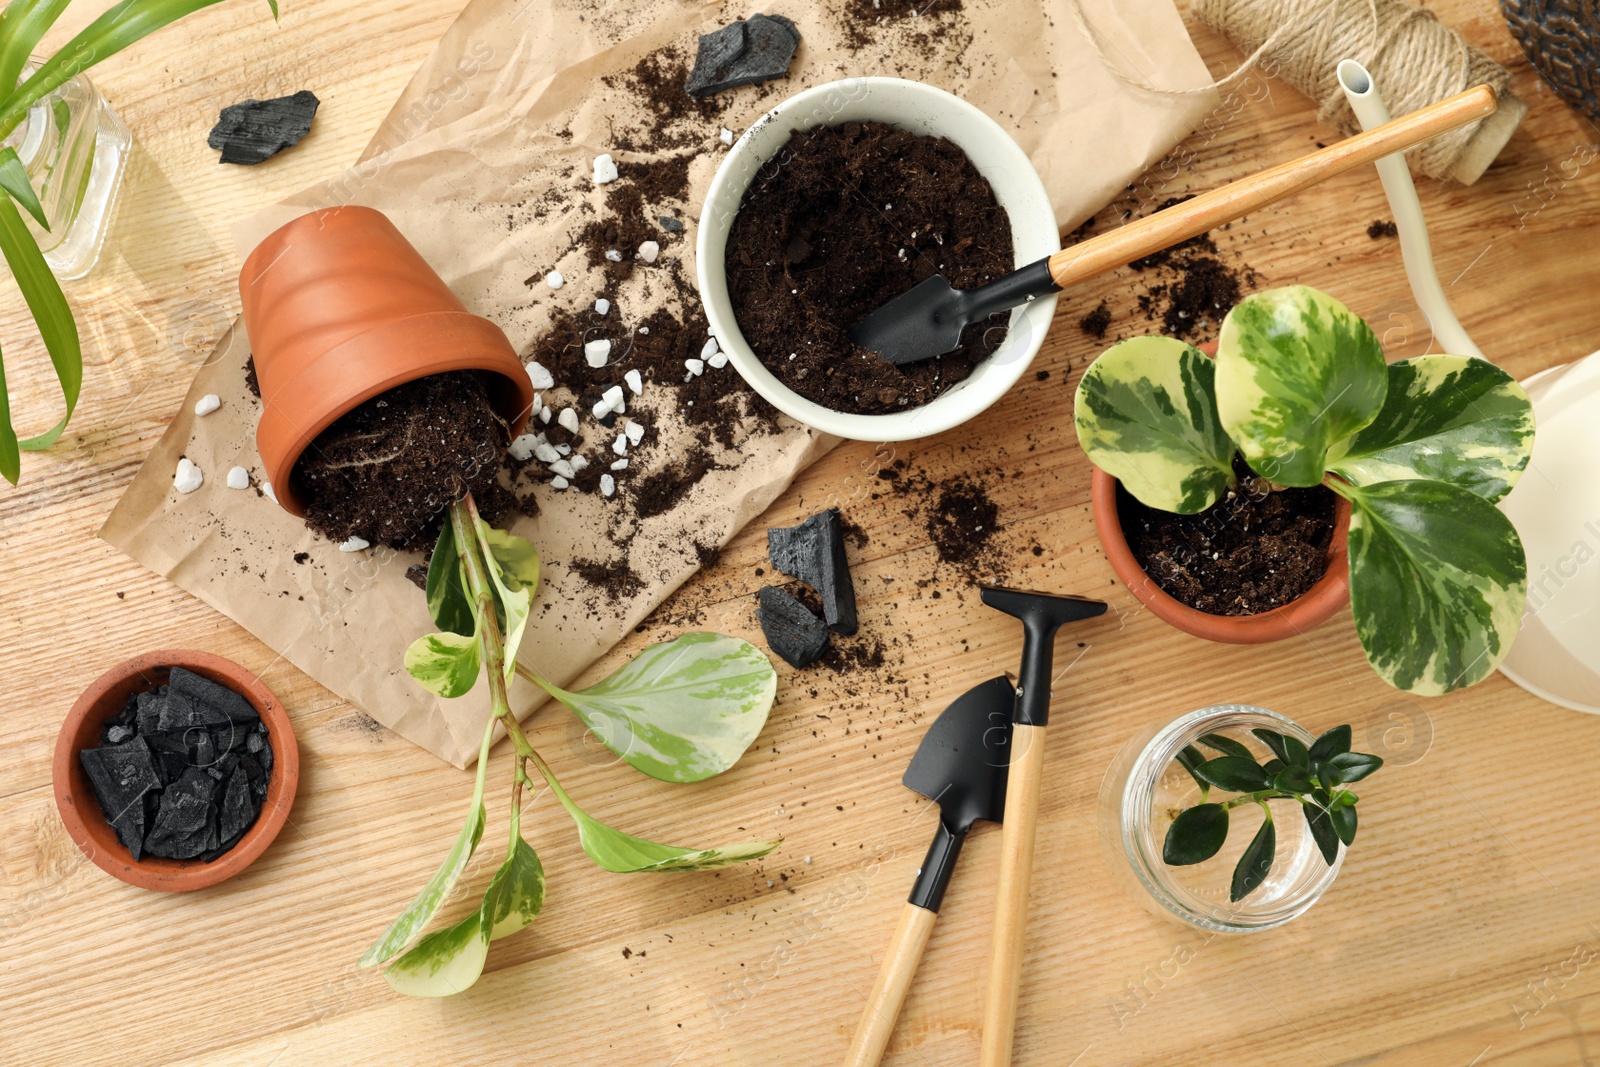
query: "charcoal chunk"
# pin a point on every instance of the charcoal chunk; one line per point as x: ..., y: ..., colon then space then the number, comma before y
x: 670, y: 224
x: 743, y: 53
x: 239, y: 807
x: 792, y: 631
x: 813, y: 552
x: 217, y: 699
x: 256, y: 130
x: 147, y: 713
x: 186, y: 822
x: 121, y: 775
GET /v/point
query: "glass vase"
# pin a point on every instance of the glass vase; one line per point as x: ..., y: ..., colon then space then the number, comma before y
x: 1146, y: 788
x: 75, y: 149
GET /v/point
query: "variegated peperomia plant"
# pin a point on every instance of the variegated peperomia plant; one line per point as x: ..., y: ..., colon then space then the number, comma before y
x: 1420, y: 448
x: 680, y: 712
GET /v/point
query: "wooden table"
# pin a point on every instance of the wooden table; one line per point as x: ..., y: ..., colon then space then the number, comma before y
x: 1461, y: 931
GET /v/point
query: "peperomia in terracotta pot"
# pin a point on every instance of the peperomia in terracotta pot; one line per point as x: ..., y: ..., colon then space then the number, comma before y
x: 1299, y: 397
x: 340, y: 308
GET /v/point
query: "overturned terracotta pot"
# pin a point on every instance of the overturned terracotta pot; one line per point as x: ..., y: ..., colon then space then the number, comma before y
x: 1318, y: 604
x: 340, y: 307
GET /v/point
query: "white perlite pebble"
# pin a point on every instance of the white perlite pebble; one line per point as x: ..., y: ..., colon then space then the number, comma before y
x: 355, y: 544
x: 563, y: 468
x: 600, y: 410
x: 545, y: 452
x: 544, y: 415
x: 613, y: 255
x: 709, y: 349
x: 608, y: 485
x: 635, y: 432
x: 635, y: 381
x: 605, y: 169
x: 717, y: 361
x: 649, y: 251
x: 620, y: 445
x: 579, y: 462
x: 238, y: 478
x: 696, y: 367
x: 540, y: 377
x: 559, y: 482
x: 207, y: 404
x: 568, y: 420
x: 602, y: 306
x: 620, y: 465
x: 726, y: 135
x: 523, y: 447
x: 554, y: 279
x: 597, y: 353
x: 563, y: 450
x: 188, y: 477
x: 266, y: 489
x: 612, y: 398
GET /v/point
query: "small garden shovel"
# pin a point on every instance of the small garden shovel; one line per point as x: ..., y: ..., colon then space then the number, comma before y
x: 928, y: 320
x: 961, y: 766
x: 1042, y: 615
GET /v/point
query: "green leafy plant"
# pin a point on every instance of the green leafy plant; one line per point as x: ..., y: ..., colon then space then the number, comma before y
x: 681, y: 712
x: 1420, y: 448
x: 23, y: 24
x: 1314, y: 777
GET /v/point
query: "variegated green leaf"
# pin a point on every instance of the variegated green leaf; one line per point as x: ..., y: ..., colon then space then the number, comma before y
x: 448, y: 602
x: 445, y: 663
x: 513, y: 585
x: 1297, y: 372
x: 1437, y: 581
x: 449, y: 961
x: 427, y: 902
x: 681, y: 711
x: 1146, y: 414
x: 623, y: 853
x: 1453, y: 419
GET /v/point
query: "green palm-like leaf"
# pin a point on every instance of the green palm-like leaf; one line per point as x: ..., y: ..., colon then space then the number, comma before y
x: 23, y: 25
x: 1297, y: 372
x: 623, y: 853
x: 119, y: 27
x: 51, y: 313
x: 1437, y: 581
x: 14, y: 180
x: 681, y: 711
x: 1146, y: 414
x: 1453, y: 419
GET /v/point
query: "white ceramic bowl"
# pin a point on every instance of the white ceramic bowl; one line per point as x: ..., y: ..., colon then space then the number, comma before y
x: 924, y: 110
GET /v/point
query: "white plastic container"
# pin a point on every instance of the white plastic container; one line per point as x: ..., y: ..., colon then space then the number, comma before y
x: 922, y: 109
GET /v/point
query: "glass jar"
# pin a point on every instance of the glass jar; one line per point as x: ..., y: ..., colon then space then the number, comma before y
x: 75, y: 149
x: 1146, y: 788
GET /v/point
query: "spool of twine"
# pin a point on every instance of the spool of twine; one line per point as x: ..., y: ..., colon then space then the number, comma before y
x: 1415, y: 60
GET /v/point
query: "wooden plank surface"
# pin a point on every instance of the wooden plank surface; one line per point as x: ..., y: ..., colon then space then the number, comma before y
x: 1462, y: 930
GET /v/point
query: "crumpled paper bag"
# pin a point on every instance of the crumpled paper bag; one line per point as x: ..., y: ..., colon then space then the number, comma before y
x: 493, y: 123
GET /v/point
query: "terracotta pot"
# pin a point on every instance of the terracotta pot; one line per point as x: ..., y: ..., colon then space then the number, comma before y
x: 340, y: 308
x: 80, y: 810
x: 1317, y: 605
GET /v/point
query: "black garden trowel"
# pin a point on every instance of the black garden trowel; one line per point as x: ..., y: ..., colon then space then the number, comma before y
x: 961, y: 765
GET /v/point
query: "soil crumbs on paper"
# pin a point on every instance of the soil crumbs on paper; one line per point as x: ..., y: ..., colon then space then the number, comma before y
x: 1252, y: 551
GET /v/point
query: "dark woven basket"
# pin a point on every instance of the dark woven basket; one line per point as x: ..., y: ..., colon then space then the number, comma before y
x: 1562, y: 41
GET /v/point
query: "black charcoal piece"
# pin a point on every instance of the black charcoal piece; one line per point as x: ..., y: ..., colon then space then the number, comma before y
x: 670, y: 224
x: 792, y: 631
x: 743, y: 53
x: 219, y: 699
x: 813, y: 552
x: 202, y: 750
x: 264, y: 757
x: 147, y: 713
x: 256, y: 130
x: 186, y: 822
x: 181, y: 713
x: 115, y: 735
x: 121, y: 776
x: 238, y: 808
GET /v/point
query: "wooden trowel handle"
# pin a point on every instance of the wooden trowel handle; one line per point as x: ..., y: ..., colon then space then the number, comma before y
x: 1163, y: 229
x: 1025, y: 779
x: 889, y: 992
